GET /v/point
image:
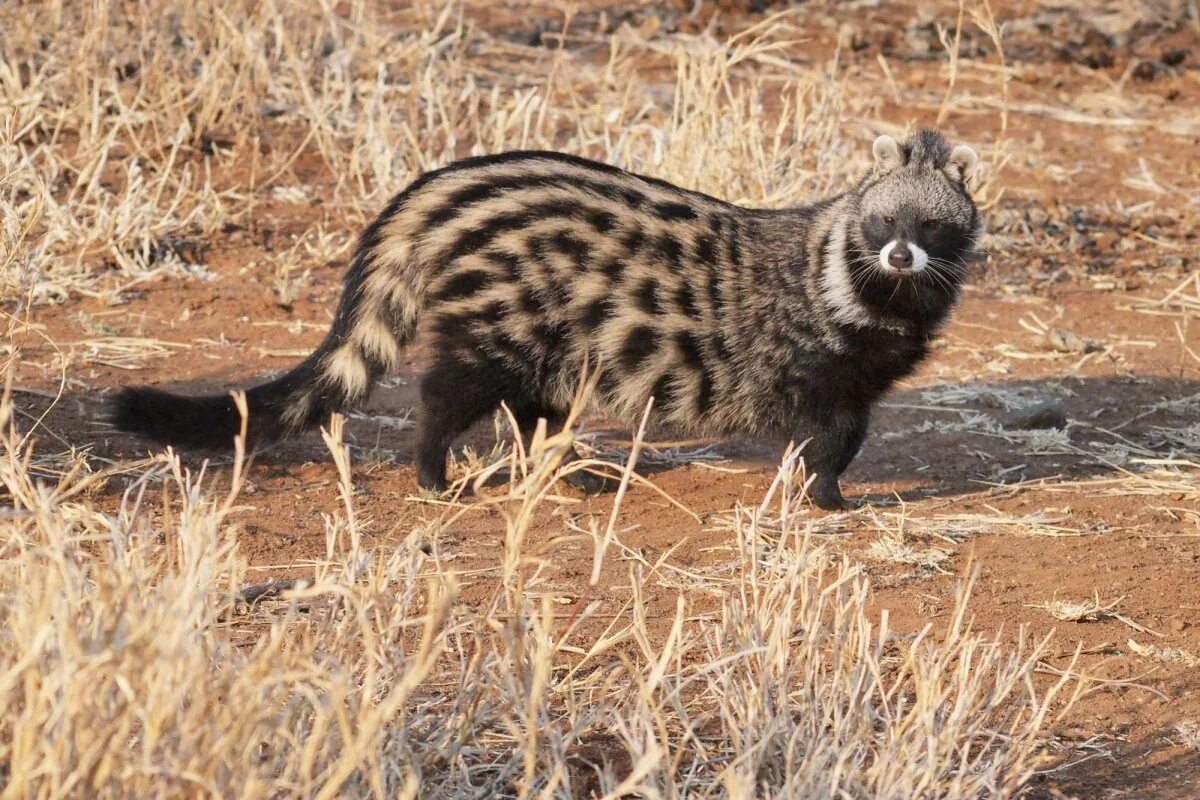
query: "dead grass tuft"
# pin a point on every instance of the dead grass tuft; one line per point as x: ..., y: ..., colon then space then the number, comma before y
x: 889, y: 548
x: 1189, y: 734
x: 1167, y: 655
x: 1090, y: 610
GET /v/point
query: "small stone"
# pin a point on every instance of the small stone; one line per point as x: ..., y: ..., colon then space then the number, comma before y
x: 1037, y: 417
x: 1178, y: 625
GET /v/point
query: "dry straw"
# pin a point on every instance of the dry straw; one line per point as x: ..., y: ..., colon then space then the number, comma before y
x: 129, y: 130
x: 1091, y: 610
x: 133, y: 668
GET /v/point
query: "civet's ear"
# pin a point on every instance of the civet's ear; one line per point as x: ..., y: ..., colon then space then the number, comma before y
x: 961, y: 164
x: 888, y: 155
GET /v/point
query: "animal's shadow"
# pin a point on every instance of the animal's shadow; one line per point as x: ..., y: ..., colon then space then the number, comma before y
x: 941, y: 440
x: 1170, y: 777
x: 952, y: 439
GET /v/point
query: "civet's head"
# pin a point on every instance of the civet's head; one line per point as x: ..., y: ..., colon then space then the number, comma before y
x: 916, y: 219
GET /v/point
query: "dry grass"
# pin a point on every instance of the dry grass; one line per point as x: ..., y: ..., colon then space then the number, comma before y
x: 1188, y: 733
x: 1166, y: 655
x: 1091, y: 610
x: 889, y: 548
x: 126, y: 129
x: 134, y: 666
x: 1183, y: 299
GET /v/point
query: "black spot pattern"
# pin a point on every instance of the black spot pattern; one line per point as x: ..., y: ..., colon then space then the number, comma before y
x: 459, y: 329
x: 640, y: 343
x: 470, y: 195
x: 721, y: 347
x: 597, y: 312
x: 691, y: 350
x: 573, y: 247
x: 670, y: 250
x: 476, y: 239
x: 530, y: 303
x: 601, y: 221
x: 502, y: 341
x: 674, y: 211
x: 613, y: 268
x: 713, y: 284
x: 550, y: 337
x: 685, y: 298
x: 647, y: 297
x: 634, y: 199
x: 633, y: 240
x: 735, y: 246
x: 664, y: 392
x: 510, y: 263
x: 464, y: 284
x: 476, y: 193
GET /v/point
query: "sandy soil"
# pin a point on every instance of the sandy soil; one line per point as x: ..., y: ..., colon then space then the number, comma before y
x: 1083, y: 242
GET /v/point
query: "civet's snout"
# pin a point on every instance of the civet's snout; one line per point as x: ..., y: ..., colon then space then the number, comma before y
x: 902, y: 257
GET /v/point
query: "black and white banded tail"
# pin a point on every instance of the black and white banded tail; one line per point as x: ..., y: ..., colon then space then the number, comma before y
x: 377, y: 315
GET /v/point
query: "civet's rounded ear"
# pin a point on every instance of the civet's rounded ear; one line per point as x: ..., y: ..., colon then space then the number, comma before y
x: 961, y: 164
x: 887, y: 154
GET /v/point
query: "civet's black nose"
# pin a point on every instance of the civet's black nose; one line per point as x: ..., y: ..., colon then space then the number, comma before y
x: 901, y: 256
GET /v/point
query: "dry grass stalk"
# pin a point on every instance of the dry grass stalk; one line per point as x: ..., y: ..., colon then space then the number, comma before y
x: 1183, y: 298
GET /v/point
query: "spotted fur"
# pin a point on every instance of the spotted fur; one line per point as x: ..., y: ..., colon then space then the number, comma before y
x: 529, y: 266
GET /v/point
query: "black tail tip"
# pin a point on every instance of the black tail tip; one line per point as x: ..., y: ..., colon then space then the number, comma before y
x: 165, y: 418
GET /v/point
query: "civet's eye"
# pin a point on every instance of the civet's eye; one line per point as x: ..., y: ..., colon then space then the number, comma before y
x: 889, y: 220
x: 931, y: 224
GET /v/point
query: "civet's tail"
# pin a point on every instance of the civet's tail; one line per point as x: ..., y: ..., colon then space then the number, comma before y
x: 382, y: 299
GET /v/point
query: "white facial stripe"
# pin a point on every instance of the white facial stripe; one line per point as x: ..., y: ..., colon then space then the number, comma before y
x: 920, y: 257
x: 883, y: 256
